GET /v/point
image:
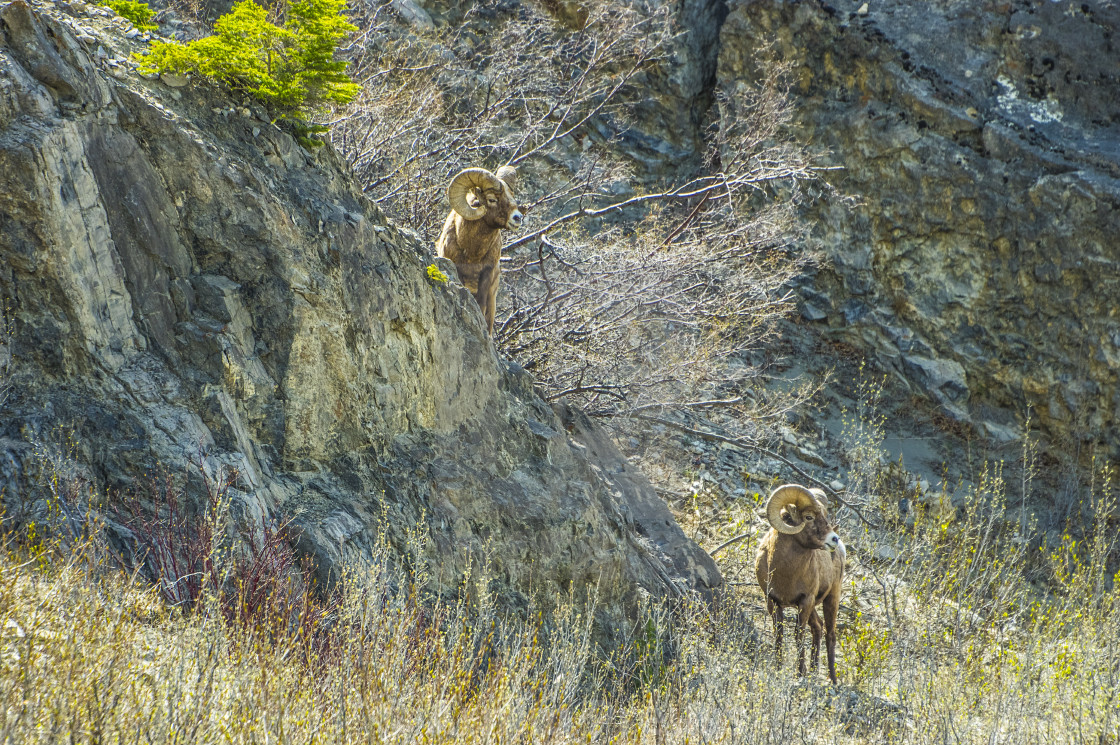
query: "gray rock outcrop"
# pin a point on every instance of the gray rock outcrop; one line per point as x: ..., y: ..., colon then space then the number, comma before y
x: 185, y: 280
x: 983, y: 144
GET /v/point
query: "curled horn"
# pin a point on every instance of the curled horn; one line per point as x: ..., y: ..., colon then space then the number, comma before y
x: 471, y: 179
x: 782, y: 497
x: 509, y: 175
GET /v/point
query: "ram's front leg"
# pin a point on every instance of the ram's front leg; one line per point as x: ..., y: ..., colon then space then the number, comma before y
x: 778, y: 617
x: 831, y: 609
x: 804, y: 612
x: 487, y: 295
x: 818, y: 630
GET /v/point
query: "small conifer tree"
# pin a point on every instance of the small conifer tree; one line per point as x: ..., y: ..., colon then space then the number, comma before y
x: 290, y: 68
x: 137, y: 12
x: 319, y: 27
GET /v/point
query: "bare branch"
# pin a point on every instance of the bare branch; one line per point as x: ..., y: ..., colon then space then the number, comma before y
x: 746, y: 444
x: 638, y: 296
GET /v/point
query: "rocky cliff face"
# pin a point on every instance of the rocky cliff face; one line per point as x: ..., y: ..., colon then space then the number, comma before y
x: 980, y: 142
x: 666, y: 132
x: 185, y: 280
x: 983, y: 142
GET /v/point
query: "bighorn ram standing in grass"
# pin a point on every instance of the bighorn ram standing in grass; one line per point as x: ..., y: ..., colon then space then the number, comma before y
x: 800, y: 564
x: 482, y: 204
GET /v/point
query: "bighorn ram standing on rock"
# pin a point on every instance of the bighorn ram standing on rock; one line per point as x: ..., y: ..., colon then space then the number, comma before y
x: 800, y: 564
x: 481, y: 205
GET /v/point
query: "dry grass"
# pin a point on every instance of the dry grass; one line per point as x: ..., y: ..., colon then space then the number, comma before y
x: 951, y: 644
x: 968, y: 631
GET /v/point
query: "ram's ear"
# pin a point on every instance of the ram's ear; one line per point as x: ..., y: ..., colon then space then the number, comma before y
x: 509, y: 175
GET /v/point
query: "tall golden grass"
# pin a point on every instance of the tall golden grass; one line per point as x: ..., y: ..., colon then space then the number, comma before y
x: 968, y: 635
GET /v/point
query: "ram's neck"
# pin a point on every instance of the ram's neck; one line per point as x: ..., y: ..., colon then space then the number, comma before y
x: 478, y: 242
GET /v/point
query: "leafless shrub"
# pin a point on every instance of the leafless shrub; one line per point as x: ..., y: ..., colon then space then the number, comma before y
x: 195, y: 18
x: 631, y: 296
x: 173, y: 548
x: 259, y: 584
x: 53, y: 516
x: 432, y: 105
x: 646, y: 317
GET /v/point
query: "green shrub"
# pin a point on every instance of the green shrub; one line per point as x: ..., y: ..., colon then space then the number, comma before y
x: 290, y: 68
x: 138, y: 13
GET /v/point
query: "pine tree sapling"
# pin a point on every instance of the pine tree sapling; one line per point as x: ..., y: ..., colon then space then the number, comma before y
x: 137, y: 12
x: 290, y: 68
x: 319, y: 27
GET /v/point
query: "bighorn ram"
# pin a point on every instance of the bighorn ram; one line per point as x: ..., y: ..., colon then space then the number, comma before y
x: 482, y: 204
x: 800, y: 564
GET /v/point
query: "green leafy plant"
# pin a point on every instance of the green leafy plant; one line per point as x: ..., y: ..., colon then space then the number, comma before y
x: 138, y: 13
x: 290, y: 68
x: 436, y: 275
x: 307, y: 134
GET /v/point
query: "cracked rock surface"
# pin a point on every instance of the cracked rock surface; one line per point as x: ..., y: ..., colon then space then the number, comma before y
x: 981, y: 259
x: 184, y: 280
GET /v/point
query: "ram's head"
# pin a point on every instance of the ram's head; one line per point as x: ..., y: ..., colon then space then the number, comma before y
x: 797, y: 511
x: 478, y: 194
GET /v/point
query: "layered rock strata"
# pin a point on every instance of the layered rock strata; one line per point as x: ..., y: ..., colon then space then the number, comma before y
x: 982, y: 142
x: 186, y: 282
